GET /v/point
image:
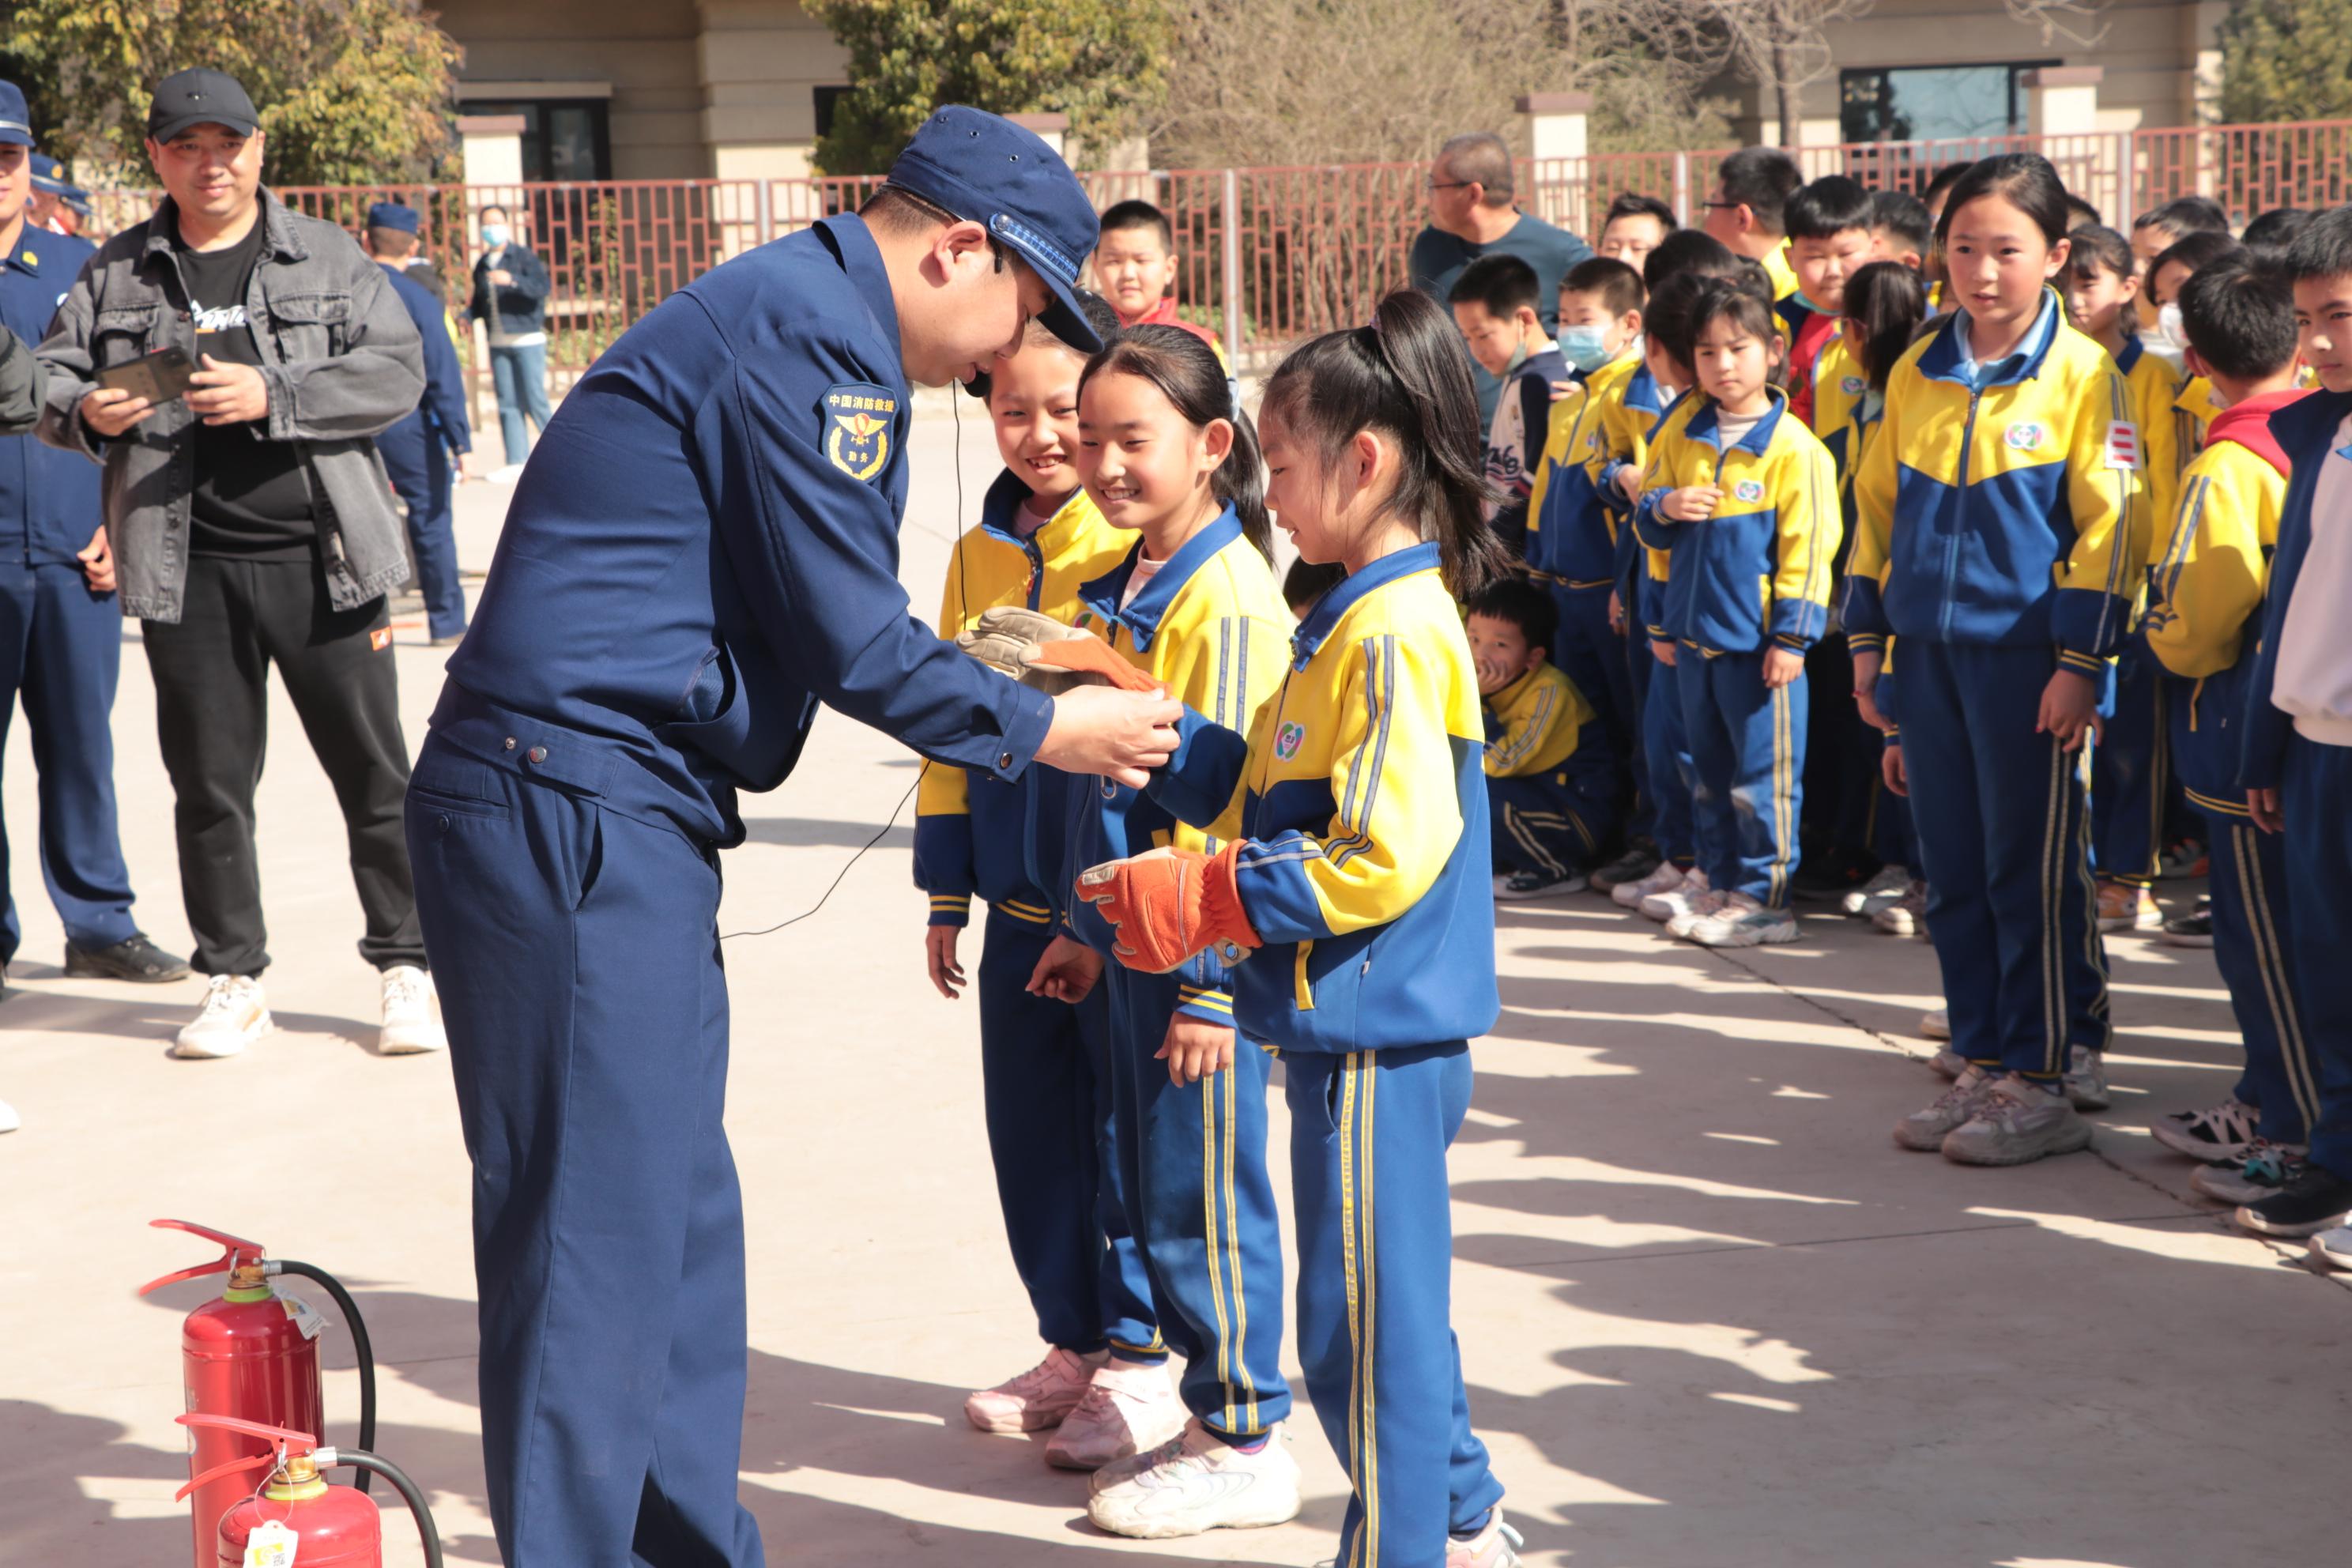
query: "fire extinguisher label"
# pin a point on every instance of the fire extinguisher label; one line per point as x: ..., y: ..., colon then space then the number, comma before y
x: 271, y: 1545
x: 306, y: 1318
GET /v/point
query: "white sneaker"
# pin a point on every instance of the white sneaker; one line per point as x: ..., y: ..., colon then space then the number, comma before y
x: 234, y: 1016
x: 1125, y: 1409
x: 2267, y: 1168
x: 1699, y: 907
x: 1038, y: 1398
x: 1907, y: 916
x: 9, y: 1120
x: 1884, y: 888
x: 2015, y: 1123
x: 1743, y: 921
x: 1496, y: 1546
x: 1926, y: 1129
x: 2219, y: 1134
x: 1664, y: 879
x: 1937, y: 1025
x: 2086, y: 1079
x: 1678, y: 898
x: 412, y: 1014
x: 506, y: 475
x: 2333, y: 1248
x: 1948, y: 1062
x: 1198, y: 1482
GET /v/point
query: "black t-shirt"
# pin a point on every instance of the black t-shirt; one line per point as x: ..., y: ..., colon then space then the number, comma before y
x: 252, y: 498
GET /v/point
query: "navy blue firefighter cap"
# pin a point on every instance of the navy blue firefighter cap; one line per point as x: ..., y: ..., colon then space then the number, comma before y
x: 985, y: 169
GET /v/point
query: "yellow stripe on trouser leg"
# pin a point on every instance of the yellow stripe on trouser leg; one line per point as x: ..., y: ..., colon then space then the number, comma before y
x: 2095, y: 948
x: 2052, y: 846
x: 2277, y: 989
x: 1353, y: 1261
x: 1211, y: 1242
x: 1234, y: 1259
x: 1372, y: 1329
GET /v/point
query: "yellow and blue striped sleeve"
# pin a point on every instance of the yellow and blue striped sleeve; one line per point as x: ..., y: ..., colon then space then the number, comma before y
x: 1808, y: 520
x: 2208, y: 578
x: 1547, y: 712
x: 1558, y: 435
x: 943, y: 854
x: 1396, y: 767
x: 2107, y: 495
x: 1875, y: 480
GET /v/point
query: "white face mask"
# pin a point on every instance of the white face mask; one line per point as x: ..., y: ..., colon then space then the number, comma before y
x: 494, y: 236
x: 2169, y: 341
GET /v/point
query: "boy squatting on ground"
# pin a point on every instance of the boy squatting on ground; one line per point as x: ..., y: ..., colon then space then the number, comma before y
x: 1551, y: 777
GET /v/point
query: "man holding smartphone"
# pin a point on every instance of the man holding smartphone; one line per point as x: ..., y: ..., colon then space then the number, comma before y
x: 252, y: 524
x: 60, y: 630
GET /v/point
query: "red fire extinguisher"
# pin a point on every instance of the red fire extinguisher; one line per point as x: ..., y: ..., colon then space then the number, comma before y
x: 295, y: 1516
x: 253, y: 1355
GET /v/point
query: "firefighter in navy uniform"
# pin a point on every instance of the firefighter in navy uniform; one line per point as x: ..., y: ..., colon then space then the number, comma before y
x: 60, y: 629
x: 702, y: 550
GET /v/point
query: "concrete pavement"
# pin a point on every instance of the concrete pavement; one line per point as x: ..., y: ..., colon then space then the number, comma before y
x: 1710, y: 1316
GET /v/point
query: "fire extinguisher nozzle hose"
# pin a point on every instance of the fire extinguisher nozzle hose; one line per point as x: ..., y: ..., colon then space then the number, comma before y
x: 360, y: 1344
x: 365, y: 1462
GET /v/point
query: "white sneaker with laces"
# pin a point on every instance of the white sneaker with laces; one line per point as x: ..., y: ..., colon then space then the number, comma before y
x: 1664, y: 879
x: 2267, y: 1168
x: 1880, y: 891
x: 2219, y: 1135
x: 1744, y: 922
x: 1198, y: 1482
x: 1926, y: 1130
x: 1701, y: 907
x: 1678, y: 898
x: 1906, y: 916
x: 412, y: 1014
x: 233, y: 1015
x: 2017, y: 1123
x: 1038, y: 1398
x: 1125, y: 1409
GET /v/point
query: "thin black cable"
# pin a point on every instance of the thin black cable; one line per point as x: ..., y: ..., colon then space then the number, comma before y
x: 360, y: 1344
x: 366, y: 1463
x: 957, y: 409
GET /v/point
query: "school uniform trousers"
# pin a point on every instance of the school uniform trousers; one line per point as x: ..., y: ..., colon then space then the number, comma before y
x: 1747, y: 762
x: 1203, y: 1208
x: 2131, y: 775
x: 62, y: 655
x: 1369, y: 1135
x: 1046, y: 1092
x: 1593, y: 654
x: 2004, y: 829
x: 1665, y: 749
x: 2318, y: 868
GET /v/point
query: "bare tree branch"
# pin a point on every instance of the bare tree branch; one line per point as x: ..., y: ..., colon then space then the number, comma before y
x: 2079, y: 22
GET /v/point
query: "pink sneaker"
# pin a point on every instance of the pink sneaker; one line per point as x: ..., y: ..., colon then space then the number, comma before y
x: 1496, y: 1546
x: 1127, y: 1409
x: 1041, y: 1397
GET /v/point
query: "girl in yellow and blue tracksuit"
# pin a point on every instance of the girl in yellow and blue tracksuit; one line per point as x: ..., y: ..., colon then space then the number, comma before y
x: 1996, y: 516
x: 1046, y: 1081
x: 1208, y: 622
x: 1356, y: 808
x: 2204, y: 621
x: 1752, y: 576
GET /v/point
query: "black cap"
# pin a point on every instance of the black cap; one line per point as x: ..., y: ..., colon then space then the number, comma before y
x: 989, y: 171
x: 200, y: 97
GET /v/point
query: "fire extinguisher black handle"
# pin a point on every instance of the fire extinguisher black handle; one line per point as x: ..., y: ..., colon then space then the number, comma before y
x: 365, y: 1462
x: 360, y: 1342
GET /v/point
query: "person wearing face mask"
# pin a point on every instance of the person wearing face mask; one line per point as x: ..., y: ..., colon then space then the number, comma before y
x: 1572, y: 535
x: 510, y: 301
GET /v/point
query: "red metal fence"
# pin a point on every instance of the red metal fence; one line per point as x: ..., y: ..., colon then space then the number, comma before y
x: 1268, y: 254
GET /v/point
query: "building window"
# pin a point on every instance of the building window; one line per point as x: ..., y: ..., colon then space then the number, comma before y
x: 562, y: 139
x: 1928, y: 103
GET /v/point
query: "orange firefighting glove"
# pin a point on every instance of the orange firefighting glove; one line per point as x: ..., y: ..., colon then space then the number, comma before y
x: 1167, y: 904
x: 1043, y: 653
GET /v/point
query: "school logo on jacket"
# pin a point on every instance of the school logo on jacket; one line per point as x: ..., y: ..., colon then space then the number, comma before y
x: 857, y: 417
x: 2026, y: 436
x: 1289, y: 738
x: 1851, y: 385
x: 1749, y: 490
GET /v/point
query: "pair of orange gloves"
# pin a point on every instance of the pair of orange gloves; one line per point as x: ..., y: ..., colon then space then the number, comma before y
x: 1165, y: 905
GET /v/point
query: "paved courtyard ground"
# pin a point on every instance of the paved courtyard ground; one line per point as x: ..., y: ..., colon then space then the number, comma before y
x: 1710, y: 1316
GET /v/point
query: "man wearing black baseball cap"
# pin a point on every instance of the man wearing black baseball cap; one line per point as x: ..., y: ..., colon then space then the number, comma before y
x: 251, y: 525
x: 701, y: 551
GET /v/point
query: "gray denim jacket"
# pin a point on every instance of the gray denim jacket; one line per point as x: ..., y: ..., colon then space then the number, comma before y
x: 341, y: 360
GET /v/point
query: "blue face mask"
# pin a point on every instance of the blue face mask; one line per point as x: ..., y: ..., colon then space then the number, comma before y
x: 494, y: 236
x: 1586, y: 348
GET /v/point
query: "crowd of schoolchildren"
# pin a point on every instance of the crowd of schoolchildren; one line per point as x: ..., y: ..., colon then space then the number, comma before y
x: 1949, y: 558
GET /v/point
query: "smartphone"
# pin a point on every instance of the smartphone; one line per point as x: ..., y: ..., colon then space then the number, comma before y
x: 159, y: 377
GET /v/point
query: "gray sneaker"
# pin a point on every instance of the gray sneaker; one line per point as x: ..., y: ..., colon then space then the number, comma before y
x: 1926, y: 1129
x: 2265, y: 1169
x: 2086, y: 1079
x: 1743, y: 922
x: 2016, y: 1123
x: 1948, y: 1062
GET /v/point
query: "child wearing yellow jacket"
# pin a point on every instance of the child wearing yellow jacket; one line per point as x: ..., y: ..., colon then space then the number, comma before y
x: 1551, y: 778
x: 2009, y: 571
x: 2203, y: 622
x: 1744, y: 500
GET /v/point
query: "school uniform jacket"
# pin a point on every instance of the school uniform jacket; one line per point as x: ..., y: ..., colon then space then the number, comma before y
x: 2005, y: 509
x: 1627, y: 422
x: 1210, y: 626
x: 1535, y: 724
x: 1759, y: 568
x: 1360, y: 798
x: 2207, y: 590
x: 1572, y: 535
x: 971, y: 825
x: 1862, y: 423
x: 1838, y: 389
x: 2154, y: 386
x: 2303, y: 431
